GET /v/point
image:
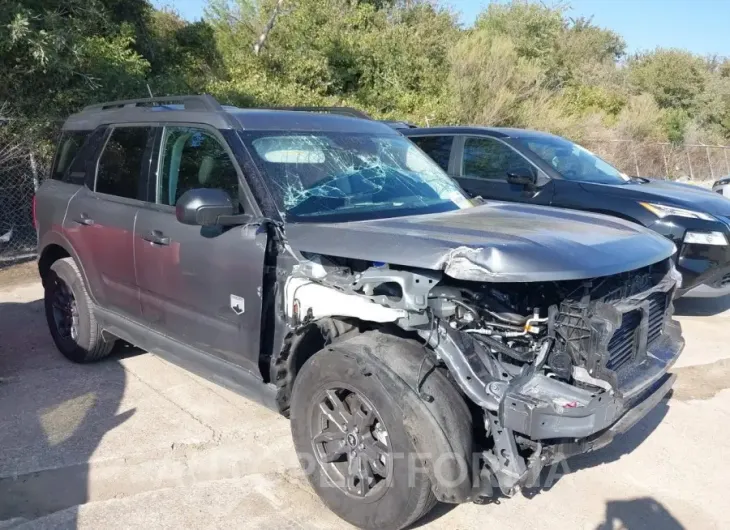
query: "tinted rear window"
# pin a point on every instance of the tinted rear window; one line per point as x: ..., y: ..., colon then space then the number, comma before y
x: 120, y: 165
x: 437, y: 147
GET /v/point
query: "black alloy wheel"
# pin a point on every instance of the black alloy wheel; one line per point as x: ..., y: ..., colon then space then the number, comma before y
x: 65, y: 310
x: 351, y: 443
x: 71, y: 316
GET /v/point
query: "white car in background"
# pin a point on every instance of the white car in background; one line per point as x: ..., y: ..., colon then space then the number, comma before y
x: 722, y: 186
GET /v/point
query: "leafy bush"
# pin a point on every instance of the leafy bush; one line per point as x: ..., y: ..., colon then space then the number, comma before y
x: 522, y: 64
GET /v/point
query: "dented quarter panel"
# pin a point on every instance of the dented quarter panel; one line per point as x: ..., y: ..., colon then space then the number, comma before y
x: 495, y: 242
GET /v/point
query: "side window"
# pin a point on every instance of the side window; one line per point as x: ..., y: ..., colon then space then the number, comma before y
x: 120, y: 164
x: 193, y: 158
x: 490, y: 159
x: 68, y: 147
x: 437, y: 147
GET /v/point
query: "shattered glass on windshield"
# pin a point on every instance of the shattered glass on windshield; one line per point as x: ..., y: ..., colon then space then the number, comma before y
x: 323, y: 174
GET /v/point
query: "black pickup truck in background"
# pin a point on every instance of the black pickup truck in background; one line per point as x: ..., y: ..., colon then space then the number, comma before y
x: 534, y: 167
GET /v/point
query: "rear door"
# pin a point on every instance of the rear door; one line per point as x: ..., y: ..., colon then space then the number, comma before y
x: 482, y: 166
x: 200, y: 285
x: 439, y: 149
x: 100, y: 218
x: 68, y: 174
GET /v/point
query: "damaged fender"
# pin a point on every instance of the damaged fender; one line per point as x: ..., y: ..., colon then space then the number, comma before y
x: 434, y: 413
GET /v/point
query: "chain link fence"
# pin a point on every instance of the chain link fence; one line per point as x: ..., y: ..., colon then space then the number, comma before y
x: 664, y: 160
x: 23, y: 166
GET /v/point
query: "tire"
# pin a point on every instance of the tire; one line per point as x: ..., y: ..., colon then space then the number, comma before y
x: 73, y: 327
x: 404, y: 494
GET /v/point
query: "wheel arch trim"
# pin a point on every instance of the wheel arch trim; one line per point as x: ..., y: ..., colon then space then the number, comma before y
x: 56, y: 238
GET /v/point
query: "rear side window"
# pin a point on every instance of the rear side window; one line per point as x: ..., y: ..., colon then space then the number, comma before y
x: 437, y: 147
x: 120, y: 165
x: 68, y: 147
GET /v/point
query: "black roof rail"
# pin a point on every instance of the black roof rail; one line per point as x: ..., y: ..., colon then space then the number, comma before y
x: 344, y: 111
x: 204, y: 102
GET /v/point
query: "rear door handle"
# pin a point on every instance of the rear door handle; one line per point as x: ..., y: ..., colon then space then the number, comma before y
x: 84, y: 219
x: 156, y: 237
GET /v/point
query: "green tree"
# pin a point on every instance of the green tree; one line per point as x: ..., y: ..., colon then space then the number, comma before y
x: 59, y: 55
x: 523, y: 63
x: 675, y: 78
x: 387, y: 57
x: 489, y: 80
x: 566, y: 48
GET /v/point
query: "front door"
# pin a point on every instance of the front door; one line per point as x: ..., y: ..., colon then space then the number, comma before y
x: 100, y: 218
x: 484, y: 165
x: 199, y: 285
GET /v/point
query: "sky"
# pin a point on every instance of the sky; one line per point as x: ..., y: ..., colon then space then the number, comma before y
x: 700, y: 26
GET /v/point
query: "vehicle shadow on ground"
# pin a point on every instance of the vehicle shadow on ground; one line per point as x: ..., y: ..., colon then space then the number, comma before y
x: 697, y: 306
x: 53, y: 415
x: 638, y: 514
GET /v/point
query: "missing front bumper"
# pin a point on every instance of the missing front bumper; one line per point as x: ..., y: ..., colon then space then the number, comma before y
x: 640, y: 408
x: 512, y: 471
x: 543, y: 408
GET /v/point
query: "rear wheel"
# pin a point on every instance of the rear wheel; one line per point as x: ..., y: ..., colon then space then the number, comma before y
x: 70, y: 314
x: 349, y: 435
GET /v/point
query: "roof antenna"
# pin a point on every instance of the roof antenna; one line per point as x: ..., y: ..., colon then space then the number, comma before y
x: 149, y: 90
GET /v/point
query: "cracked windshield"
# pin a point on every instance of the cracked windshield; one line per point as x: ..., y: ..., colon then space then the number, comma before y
x: 346, y: 177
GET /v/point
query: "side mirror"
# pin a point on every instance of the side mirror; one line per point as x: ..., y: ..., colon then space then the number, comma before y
x: 204, y: 207
x: 523, y: 177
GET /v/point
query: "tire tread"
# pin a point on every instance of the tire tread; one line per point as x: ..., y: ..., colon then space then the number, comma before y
x: 98, y: 347
x: 424, y: 499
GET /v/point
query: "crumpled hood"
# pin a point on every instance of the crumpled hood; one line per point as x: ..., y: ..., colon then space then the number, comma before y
x: 495, y: 242
x: 669, y: 193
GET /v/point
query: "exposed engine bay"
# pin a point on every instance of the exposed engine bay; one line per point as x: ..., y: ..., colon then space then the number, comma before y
x: 546, y: 361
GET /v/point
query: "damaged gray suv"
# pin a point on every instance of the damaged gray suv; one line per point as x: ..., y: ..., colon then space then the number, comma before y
x: 426, y: 348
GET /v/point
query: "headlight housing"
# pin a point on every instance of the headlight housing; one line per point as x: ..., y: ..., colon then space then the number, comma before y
x: 705, y: 238
x: 662, y: 211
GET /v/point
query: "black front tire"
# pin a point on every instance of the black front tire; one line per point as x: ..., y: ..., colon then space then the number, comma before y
x: 407, y: 493
x: 85, y: 343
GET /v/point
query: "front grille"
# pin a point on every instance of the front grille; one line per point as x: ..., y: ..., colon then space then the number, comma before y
x: 622, y: 346
x: 623, y: 343
x: 584, y: 321
x: 657, y: 308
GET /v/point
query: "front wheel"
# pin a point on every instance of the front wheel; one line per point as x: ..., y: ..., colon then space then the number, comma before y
x: 349, y: 435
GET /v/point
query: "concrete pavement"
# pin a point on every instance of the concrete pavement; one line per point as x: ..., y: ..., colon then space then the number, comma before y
x: 135, y: 442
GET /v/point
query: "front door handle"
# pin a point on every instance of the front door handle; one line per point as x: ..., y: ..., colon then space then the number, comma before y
x: 156, y: 237
x: 84, y: 219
